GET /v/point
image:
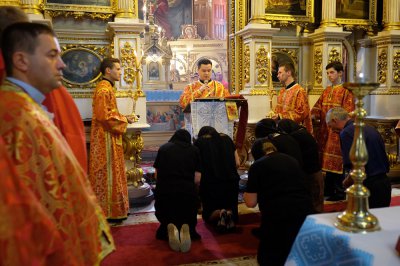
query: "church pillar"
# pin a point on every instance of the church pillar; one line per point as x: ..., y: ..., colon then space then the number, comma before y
x: 33, y: 9
x: 257, y: 11
x: 130, y: 98
x: 387, y: 63
x: 126, y: 10
x: 328, y: 47
x: 328, y: 13
x: 256, y: 68
x: 391, y: 15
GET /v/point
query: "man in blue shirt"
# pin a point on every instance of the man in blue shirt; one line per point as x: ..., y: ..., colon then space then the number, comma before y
x: 378, y: 164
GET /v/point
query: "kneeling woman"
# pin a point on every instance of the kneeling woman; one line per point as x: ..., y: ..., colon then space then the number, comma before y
x: 219, y: 186
x: 178, y: 168
x: 277, y: 184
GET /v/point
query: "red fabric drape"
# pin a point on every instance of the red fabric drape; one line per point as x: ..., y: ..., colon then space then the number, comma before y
x: 68, y: 120
x: 243, y: 116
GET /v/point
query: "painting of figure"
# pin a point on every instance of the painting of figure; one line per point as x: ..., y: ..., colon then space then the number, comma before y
x: 289, y: 7
x: 352, y: 9
x: 82, y: 66
x: 169, y: 14
x: 277, y: 59
x: 154, y: 72
x: 81, y: 2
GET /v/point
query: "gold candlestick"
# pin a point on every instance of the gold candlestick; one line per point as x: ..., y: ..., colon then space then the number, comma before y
x: 356, y: 218
x: 271, y: 93
x: 138, y: 71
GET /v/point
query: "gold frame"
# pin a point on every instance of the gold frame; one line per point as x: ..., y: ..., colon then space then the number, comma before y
x: 99, y: 51
x: 292, y: 54
x: 366, y: 24
x: 79, y: 11
x: 285, y: 19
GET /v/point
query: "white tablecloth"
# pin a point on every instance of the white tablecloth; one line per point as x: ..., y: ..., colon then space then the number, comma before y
x: 210, y: 114
x: 319, y: 242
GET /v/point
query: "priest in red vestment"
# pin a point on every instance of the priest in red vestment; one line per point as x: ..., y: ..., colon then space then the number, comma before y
x: 204, y: 87
x: 328, y: 140
x: 28, y: 235
x: 292, y: 101
x: 59, y: 101
x: 42, y: 158
x: 107, y: 163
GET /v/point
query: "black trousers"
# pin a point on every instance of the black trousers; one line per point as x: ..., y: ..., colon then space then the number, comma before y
x: 333, y: 184
x: 380, y: 190
x: 177, y: 209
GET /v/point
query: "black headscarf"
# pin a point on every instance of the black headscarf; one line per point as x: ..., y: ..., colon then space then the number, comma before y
x: 217, y: 158
x: 288, y: 126
x: 181, y: 136
x: 265, y: 127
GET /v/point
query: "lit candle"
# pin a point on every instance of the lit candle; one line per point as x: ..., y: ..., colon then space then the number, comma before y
x: 361, y: 77
x: 144, y: 12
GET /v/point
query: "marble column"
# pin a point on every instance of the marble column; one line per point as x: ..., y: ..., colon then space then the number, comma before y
x: 328, y: 42
x: 328, y: 13
x: 256, y: 68
x: 257, y: 11
x: 391, y: 15
x: 33, y: 9
x: 126, y: 10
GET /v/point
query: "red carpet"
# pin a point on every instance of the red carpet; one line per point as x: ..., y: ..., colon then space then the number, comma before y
x: 341, y: 206
x: 136, y: 245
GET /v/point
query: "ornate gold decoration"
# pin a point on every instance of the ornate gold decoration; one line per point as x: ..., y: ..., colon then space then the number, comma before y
x: 128, y: 62
x: 262, y: 64
x: 127, y: 11
x: 246, y: 64
x: 79, y: 11
x: 387, y: 91
x: 248, y: 142
x: 232, y: 58
x: 382, y: 66
x: 133, y: 146
x: 207, y: 45
x: 292, y: 53
x: 396, y: 67
x: 239, y: 62
x: 363, y: 24
x: 386, y: 128
x: 285, y: 20
x: 334, y: 55
x: 78, y: 14
x: 100, y: 51
x: 356, y: 218
x: 318, y: 65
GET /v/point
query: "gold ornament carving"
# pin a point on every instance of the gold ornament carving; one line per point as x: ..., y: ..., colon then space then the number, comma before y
x: 231, y: 52
x: 318, y: 65
x: 239, y: 62
x: 334, y: 55
x: 382, y: 66
x: 78, y: 14
x: 128, y: 62
x: 396, y: 67
x: 292, y: 53
x: 246, y: 64
x: 262, y: 64
x: 133, y: 146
